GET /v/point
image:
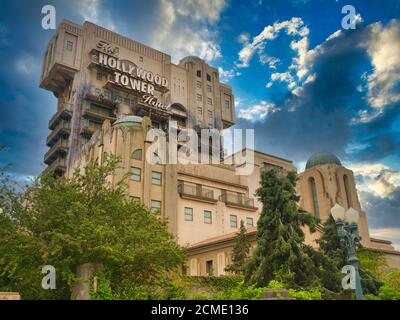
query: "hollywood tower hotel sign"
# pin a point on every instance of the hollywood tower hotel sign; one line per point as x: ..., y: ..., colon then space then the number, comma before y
x: 128, y: 75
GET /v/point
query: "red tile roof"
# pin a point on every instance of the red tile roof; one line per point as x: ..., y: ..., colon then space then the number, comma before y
x: 224, y: 237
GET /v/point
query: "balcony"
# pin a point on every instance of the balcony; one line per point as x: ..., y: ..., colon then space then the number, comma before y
x: 196, y: 192
x: 60, y: 65
x: 99, y: 113
x: 58, y: 166
x: 62, y: 129
x: 58, y: 78
x: 90, y: 128
x: 238, y: 200
x: 65, y: 112
x: 60, y: 147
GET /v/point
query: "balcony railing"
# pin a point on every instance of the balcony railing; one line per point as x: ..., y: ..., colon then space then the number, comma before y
x: 91, y: 128
x: 60, y: 145
x: 63, y: 112
x: 62, y: 127
x: 59, y: 165
x: 99, y: 113
x: 196, y: 192
x: 232, y: 199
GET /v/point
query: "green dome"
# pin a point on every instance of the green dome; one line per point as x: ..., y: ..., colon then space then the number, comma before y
x: 322, y: 158
x: 128, y: 121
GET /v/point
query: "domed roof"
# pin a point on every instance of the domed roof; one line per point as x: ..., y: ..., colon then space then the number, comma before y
x: 322, y: 158
x: 128, y: 121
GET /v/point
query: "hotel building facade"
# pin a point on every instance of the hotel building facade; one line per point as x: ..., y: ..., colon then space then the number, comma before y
x: 111, y: 90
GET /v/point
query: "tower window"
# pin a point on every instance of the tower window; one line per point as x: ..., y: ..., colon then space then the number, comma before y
x: 136, y: 174
x: 155, y: 206
x: 233, y: 221
x: 137, y: 154
x: 347, y: 190
x: 188, y: 214
x: 249, y: 222
x: 70, y: 45
x: 207, y: 217
x: 198, y: 84
x: 209, y: 267
x: 314, y: 197
x: 156, y: 178
x: 208, y: 77
x: 135, y: 199
x: 198, y: 73
x: 107, y: 94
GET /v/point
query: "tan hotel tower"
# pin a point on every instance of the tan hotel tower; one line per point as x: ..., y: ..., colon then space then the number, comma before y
x: 112, y: 89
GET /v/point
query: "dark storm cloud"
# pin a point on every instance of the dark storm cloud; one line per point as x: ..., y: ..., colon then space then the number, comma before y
x: 24, y: 108
x: 378, y: 137
x: 322, y: 114
x: 378, y: 147
x: 382, y: 212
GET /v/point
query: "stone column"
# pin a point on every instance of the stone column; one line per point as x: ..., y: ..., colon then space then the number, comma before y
x: 81, y: 288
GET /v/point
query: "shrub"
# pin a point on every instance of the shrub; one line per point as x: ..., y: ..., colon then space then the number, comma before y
x: 311, y: 294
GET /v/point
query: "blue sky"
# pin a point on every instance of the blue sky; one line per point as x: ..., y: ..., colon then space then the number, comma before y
x: 304, y: 83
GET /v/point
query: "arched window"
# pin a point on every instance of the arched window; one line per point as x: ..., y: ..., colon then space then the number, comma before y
x: 347, y: 190
x: 137, y: 154
x: 198, y: 73
x: 314, y: 197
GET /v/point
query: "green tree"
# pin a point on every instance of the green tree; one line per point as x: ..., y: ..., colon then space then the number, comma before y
x: 240, y: 251
x: 66, y: 222
x: 334, y: 256
x: 281, y: 252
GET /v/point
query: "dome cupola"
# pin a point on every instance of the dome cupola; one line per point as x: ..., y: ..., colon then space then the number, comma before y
x: 322, y: 158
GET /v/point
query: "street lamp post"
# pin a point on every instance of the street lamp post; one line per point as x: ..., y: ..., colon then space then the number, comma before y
x: 347, y: 231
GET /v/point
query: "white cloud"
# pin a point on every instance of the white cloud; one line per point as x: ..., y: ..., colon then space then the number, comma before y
x: 93, y: 11
x: 200, y: 9
x: 334, y: 35
x: 364, y: 116
x: 383, y: 48
x: 184, y: 28
x: 376, y: 178
x: 282, y: 76
x: 298, y: 72
x: 226, y: 75
x: 270, y: 61
x: 26, y: 64
x: 292, y: 27
x: 300, y: 62
x: 358, y: 19
x: 258, y: 111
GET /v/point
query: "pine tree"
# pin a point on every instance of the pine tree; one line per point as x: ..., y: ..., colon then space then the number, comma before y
x: 334, y: 256
x: 240, y: 251
x: 281, y: 253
